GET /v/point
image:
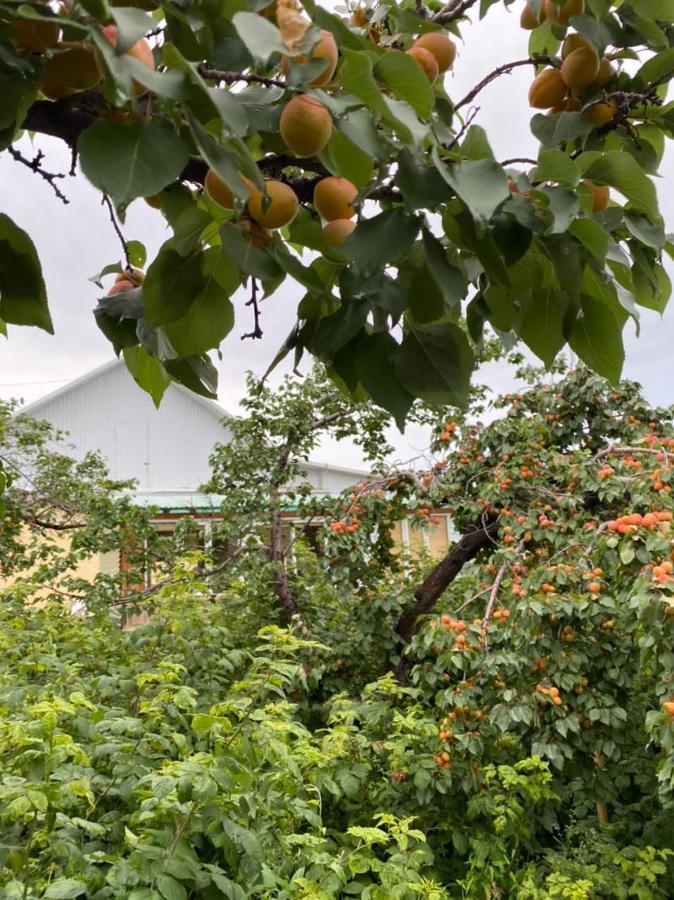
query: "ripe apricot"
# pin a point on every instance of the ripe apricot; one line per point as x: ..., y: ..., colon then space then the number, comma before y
x: 337, y: 231
x: 333, y: 197
x: 600, y: 114
x: 69, y: 71
x: 426, y: 61
x: 325, y: 49
x: 218, y: 191
x: 580, y: 68
x: 278, y: 209
x: 606, y: 73
x: 442, y: 48
x: 547, y: 89
x: 35, y: 36
x: 560, y: 13
x: 529, y: 19
x: 594, y: 587
x: 600, y: 198
x: 305, y: 125
x: 574, y: 42
x: 123, y: 284
x: 668, y: 707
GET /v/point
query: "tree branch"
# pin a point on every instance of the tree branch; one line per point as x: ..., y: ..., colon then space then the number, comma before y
x: 505, y: 69
x: 481, y: 534
x: 35, y: 166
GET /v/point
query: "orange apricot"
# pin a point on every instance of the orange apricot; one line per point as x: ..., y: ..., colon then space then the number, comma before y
x: 278, y: 210
x: 305, y: 125
x: 442, y: 48
x: 333, y: 197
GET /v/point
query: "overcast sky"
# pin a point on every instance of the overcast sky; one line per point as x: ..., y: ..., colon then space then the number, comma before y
x: 76, y: 241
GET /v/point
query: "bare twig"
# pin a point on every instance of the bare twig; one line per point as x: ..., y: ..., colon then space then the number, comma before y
x: 472, y: 112
x: 256, y: 333
x: 118, y: 231
x: 34, y: 165
x: 505, y: 69
x: 519, y: 159
x: 493, y: 594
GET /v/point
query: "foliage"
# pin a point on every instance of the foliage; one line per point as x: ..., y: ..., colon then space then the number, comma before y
x: 515, y: 741
x: 449, y: 241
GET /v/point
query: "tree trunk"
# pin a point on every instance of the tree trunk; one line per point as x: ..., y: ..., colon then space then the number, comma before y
x: 277, y: 556
x: 482, y: 533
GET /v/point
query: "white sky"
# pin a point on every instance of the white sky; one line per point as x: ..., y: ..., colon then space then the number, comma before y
x: 76, y: 241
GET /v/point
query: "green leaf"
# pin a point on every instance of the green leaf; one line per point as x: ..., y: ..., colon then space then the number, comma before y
x: 590, y: 233
x: 435, y: 362
x: 542, y: 324
x: 23, y: 296
x: 654, y: 68
x: 148, y: 372
x: 210, y: 316
x: 386, y: 237
x: 597, y: 338
x: 196, y: 373
x: 480, y: 183
x: 476, y: 145
x: 250, y: 260
x: 422, y: 186
x: 342, y: 157
x: 137, y: 253
x: 261, y: 37
x: 374, y: 362
x: 129, y: 161
x: 170, y: 889
x: 555, y: 165
x: 405, y: 77
x: 132, y: 24
x: 171, y: 284
x: 621, y: 171
x: 559, y: 128
x: 65, y: 889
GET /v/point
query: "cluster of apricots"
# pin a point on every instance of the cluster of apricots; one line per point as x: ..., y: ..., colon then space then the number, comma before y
x: 450, y: 624
x: 71, y: 66
x: 634, y: 521
x: 443, y: 760
x: 662, y: 573
x: 349, y: 527
x: 578, y: 83
x: 551, y: 692
x: 278, y: 204
x: 434, y: 52
x: 448, y: 432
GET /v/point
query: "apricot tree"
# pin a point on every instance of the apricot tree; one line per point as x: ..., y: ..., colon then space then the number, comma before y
x: 332, y: 155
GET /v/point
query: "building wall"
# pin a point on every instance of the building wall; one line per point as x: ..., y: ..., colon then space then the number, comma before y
x: 163, y: 449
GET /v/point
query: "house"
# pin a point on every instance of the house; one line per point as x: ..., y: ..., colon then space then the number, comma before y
x: 166, y: 450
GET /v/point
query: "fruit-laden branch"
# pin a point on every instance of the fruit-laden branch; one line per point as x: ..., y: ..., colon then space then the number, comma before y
x: 503, y: 70
x: 481, y: 534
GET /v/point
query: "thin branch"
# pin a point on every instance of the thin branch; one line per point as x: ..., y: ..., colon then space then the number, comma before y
x: 472, y: 112
x: 256, y: 333
x: 493, y: 595
x: 234, y: 77
x: 118, y: 231
x: 505, y: 69
x: 35, y: 166
x: 519, y: 159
